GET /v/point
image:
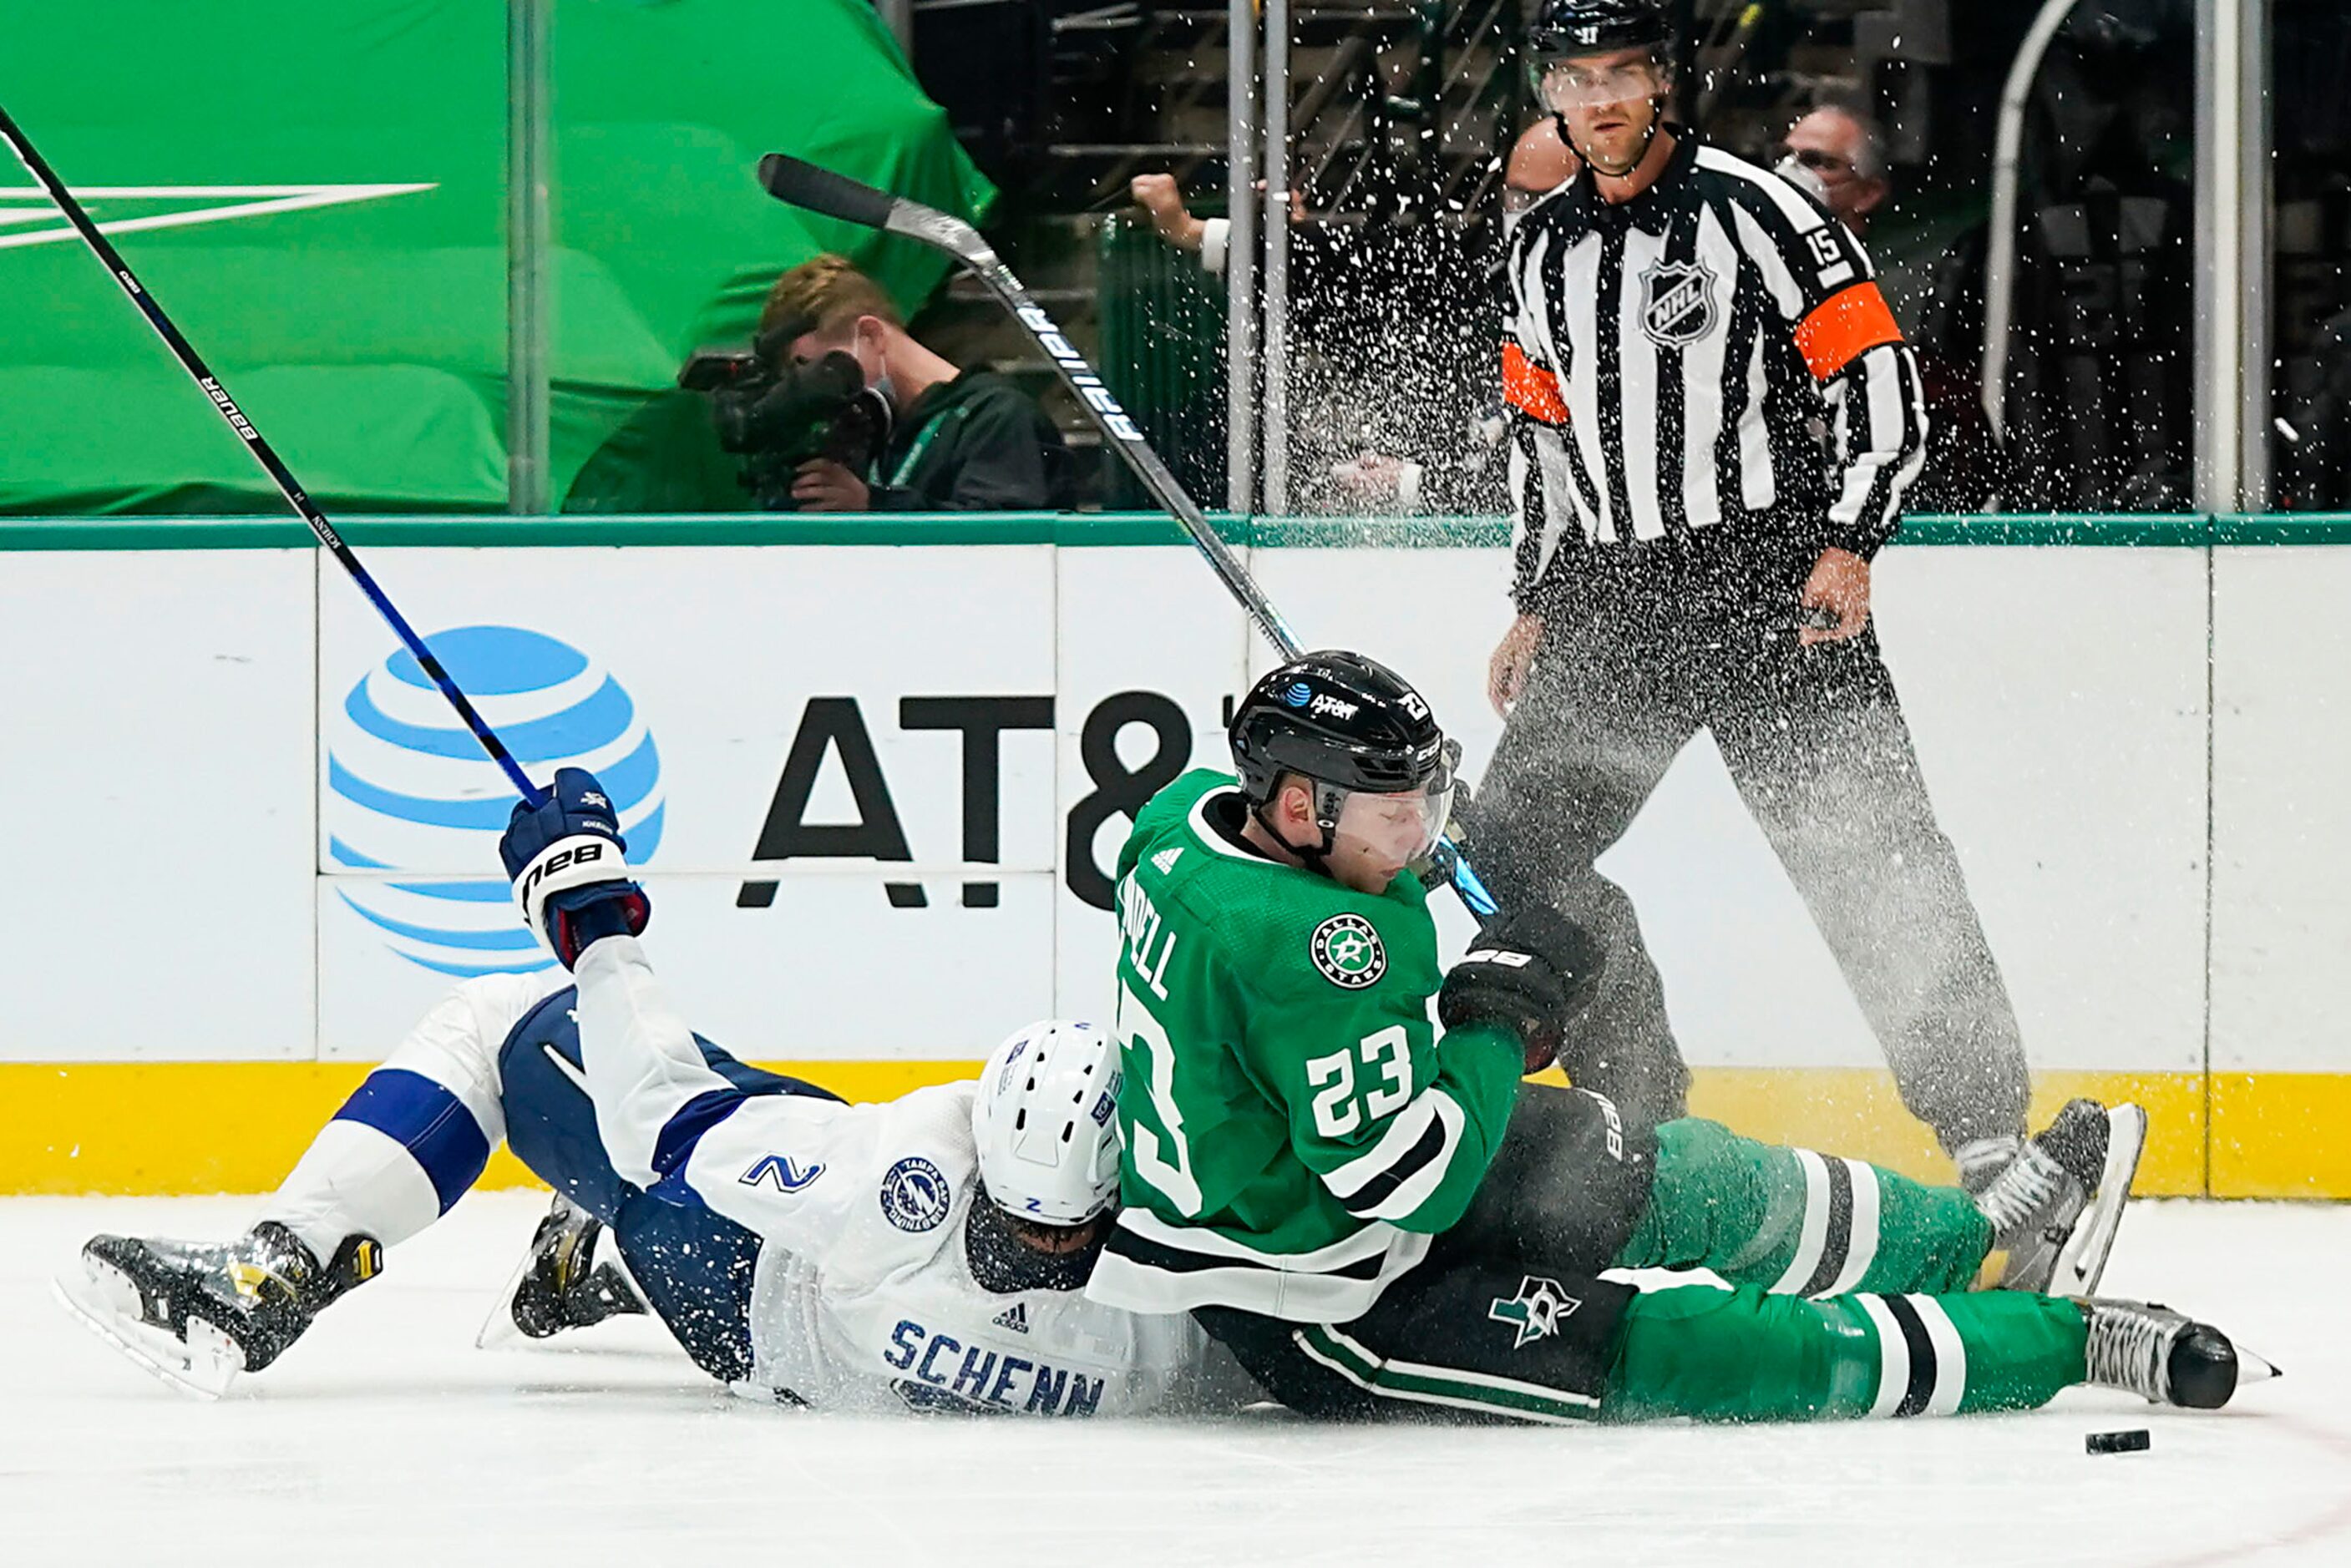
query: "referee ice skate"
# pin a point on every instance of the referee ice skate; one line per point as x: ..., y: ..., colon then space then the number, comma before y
x: 1715, y: 417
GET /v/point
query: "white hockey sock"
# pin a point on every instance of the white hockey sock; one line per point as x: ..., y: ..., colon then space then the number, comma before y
x: 408, y: 1143
x: 355, y: 1179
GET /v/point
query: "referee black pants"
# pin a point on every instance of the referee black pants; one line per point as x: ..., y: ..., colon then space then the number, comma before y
x: 1676, y: 636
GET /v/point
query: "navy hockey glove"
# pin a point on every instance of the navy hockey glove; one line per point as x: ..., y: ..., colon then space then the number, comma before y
x: 1530, y: 972
x: 566, y: 857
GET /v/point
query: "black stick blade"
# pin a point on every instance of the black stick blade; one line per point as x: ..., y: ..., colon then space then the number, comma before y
x: 803, y: 184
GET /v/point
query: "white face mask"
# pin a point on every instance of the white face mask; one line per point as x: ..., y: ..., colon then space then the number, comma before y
x: 1805, y: 180
x: 877, y: 377
x: 885, y: 414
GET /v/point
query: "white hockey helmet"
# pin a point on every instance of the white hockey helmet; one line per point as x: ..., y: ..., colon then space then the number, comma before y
x: 1044, y: 1124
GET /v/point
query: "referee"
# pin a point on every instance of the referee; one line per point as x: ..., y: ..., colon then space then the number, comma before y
x: 1714, y: 418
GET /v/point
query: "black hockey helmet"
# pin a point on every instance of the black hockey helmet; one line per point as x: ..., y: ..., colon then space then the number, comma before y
x: 1595, y: 26
x: 1349, y: 725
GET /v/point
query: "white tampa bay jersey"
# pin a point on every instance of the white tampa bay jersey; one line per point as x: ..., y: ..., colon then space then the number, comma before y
x: 863, y: 1298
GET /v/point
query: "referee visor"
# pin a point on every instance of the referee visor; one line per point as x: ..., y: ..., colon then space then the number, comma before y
x: 1584, y: 81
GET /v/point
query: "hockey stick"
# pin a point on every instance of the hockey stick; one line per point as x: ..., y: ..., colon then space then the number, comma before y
x: 803, y: 184
x: 190, y: 361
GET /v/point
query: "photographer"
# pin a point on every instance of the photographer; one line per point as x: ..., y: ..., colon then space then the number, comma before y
x: 839, y: 409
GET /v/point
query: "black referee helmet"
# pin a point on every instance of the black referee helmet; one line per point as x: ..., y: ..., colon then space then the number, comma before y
x: 1595, y: 26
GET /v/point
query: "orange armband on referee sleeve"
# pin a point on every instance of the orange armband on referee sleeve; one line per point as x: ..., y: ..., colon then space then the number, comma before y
x: 1845, y: 325
x: 1530, y: 388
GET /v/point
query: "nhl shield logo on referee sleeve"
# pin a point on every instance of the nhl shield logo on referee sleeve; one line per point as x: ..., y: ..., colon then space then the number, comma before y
x: 1678, y: 303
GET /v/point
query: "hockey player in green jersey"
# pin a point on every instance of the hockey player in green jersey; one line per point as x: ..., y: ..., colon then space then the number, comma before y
x: 1383, y: 1224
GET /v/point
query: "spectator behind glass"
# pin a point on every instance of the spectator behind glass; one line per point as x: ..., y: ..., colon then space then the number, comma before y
x: 1386, y: 381
x: 959, y: 440
x: 1836, y: 152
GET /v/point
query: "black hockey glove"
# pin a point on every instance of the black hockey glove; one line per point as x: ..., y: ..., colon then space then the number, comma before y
x: 565, y: 857
x: 1530, y: 972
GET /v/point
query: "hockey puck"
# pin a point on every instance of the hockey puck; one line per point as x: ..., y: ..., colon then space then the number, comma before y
x: 2134, y: 1441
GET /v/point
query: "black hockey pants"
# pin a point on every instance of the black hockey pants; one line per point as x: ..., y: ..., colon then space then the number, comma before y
x: 1502, y: 1321
x: 1672, y: 638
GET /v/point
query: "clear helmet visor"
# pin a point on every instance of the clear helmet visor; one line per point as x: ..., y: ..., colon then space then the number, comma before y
x: 1395, y: 829
x: 1565, y: 84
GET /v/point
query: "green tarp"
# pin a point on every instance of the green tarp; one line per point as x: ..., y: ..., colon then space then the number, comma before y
x: 359, y: 314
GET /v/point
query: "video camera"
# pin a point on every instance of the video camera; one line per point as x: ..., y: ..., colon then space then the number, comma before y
x: 780, y: 414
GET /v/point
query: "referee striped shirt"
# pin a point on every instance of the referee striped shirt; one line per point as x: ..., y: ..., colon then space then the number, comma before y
x: 1712, y: 354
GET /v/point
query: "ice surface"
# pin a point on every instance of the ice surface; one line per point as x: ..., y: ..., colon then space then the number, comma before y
x: 385, y: 1437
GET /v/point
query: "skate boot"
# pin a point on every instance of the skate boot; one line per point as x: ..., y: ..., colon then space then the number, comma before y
x: 2055, y: 1207
x: 198, y: 1314
x: 1980, y: 1160
x: 560, y: 1284
x: 2165, y: 1357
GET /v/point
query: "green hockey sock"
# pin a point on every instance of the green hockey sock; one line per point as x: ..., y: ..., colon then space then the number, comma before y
x: 1741, y: 1354
x: 1797, y: 1222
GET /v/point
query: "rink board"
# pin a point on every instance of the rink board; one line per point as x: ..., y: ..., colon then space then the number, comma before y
x: 884, y: 767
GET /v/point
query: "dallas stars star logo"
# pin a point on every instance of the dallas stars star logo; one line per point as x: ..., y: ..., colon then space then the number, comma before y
x: 1536, y: 1311
x: 1347, y: 950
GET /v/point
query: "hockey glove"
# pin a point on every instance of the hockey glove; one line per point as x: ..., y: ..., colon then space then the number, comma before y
x: 566, y: 859
x: 1530, y: 971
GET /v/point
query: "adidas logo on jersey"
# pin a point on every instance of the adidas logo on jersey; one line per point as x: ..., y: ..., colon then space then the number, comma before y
x: 1166, y: 859
x: 1015, y: 1317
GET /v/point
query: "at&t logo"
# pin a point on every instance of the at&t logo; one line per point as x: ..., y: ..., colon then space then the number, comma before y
x: 409, y: 789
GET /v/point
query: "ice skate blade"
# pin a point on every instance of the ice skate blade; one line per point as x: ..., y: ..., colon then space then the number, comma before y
x: 202, y: 1370
x: 2082, y: 1261
x: 498, y: 1331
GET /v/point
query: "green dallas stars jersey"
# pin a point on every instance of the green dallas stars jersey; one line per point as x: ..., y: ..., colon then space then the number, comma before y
x: 1294, y: 1134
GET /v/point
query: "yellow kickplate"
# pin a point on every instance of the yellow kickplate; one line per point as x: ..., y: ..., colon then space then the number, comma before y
x: 171, y: 1127
x: 1855, y: 1112
x: 2281, y: 1135
x: 238, y: 1127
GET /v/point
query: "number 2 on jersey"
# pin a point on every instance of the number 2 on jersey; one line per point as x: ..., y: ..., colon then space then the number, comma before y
x: 1337, y: 1112
x: 1166, y: 1166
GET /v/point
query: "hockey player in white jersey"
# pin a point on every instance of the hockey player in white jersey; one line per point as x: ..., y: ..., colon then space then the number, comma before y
x: 925, y: 1253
